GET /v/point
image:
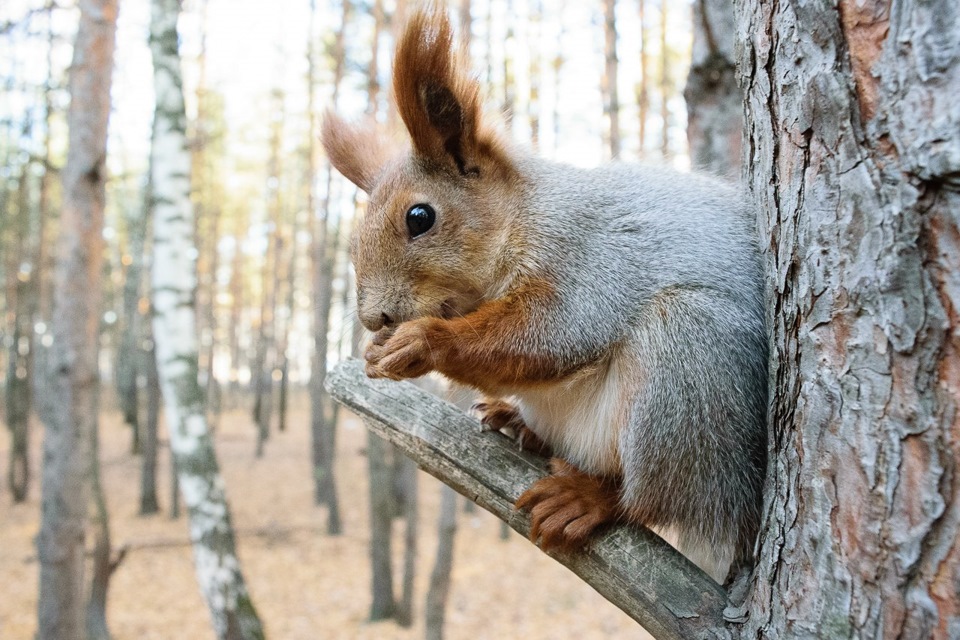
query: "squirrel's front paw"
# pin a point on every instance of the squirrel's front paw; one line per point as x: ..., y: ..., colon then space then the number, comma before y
x: 503, y: 417
x: 404, y: 352
x: 569, y: 507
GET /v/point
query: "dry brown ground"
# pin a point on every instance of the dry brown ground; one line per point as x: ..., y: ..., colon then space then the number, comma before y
x: 305, y: 584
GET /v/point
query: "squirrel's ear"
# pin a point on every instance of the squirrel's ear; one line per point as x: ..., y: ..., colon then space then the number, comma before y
x: 436, y: 96
x: 355, y: 150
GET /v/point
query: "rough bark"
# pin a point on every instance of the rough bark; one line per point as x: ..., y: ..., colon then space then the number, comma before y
x: 853, y: 158
x: 608, y: 84
x: 439, y: 589
x: 174, y: 279
x: 72, y: 381
x: 631, y: 567
x: 714, y: 101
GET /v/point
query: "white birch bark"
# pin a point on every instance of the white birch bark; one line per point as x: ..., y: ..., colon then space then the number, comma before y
x: 174, y: 279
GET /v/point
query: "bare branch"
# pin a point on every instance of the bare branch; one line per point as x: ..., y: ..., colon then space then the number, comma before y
x: 633, y: 568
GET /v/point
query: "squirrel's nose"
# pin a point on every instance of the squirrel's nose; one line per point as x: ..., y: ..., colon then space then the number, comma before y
x: 374, y: 319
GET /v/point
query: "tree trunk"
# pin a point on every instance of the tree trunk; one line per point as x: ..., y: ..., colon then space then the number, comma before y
x: 24, y: 271
x: 440, y: 576
x: 608, y: 84
x: 853, y: 135
x: 72, y: 379
x: 643, y: 87
x: 148, y: 461
x: 406, y: 497
x: 102, y: 563
x: 174, y: 280
x: 323, y: 429
x: 665, y: 88
x: 714, y: 102
x: 383, y: 605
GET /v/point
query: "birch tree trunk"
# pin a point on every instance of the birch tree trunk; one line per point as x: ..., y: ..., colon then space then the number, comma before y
x: 714, y: 102
x: 853, y: 139
x: 174, y: 279
x: 72, y: 378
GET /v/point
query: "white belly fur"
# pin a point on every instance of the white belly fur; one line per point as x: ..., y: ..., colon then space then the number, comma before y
x: 579, y: 417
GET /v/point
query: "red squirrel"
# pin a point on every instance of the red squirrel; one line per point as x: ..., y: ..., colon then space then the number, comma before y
x: 611, y: 316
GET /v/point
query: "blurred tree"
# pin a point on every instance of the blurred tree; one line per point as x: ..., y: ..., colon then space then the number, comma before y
x: 174, y: 277
x: 643, y: 86
x: 608, y: 83
x: 436, y: 606
x: 72, y: 378
x: 666, y: 88
x: 714, y: 102
x: 324, y: 254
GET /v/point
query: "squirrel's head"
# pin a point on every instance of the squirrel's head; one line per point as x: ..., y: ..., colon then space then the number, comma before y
x: 429, y: 243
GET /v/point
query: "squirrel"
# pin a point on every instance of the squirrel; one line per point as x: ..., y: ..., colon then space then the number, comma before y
x: 611, y: 316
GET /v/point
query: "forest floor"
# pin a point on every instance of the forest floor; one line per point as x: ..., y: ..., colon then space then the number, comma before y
x: 305, y: 584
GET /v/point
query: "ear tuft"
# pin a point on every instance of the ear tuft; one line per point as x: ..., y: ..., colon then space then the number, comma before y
x: 355, y: 150
x: 436, y: 95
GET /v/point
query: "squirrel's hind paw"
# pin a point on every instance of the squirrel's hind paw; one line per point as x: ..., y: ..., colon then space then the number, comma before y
x: 567, y: 510
x: 503, y: 417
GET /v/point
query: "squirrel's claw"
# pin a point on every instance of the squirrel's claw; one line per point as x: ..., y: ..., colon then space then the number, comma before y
x: 503, y: 417
x: 567, y: 510
x: 399, y: 353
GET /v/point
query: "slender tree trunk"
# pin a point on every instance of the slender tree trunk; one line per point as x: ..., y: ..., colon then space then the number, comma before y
x: 535, y: 38
x: 853, y: 134
x: 665, y: 88
x: 323, y: 429
x: 643, y: 87
x: 103, y: 565
x: 174, y: 280
x: 714, y: 102
x: 608, y: 84
x: 20, y: 360
x: 439, y: 589
x: 149, y: 503
x: 383, y: 605
x: 71, y: 416
x: 405, y: 482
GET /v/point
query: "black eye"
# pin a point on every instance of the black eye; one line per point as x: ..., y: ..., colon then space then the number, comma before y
x: 420, y: 217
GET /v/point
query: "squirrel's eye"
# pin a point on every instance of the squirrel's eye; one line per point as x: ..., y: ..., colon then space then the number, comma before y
x: 420, y: 217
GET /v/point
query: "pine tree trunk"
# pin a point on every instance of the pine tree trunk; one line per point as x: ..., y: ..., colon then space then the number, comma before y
x: 714, y: 102
x: 853, y: 135
x: 20, y: 355
x: 149, y: 503
x: 407, y: 497
x: 174, y: 280
x: 665, y: 88
x: 72, y: 377
x: 383, y: 605
x: 440, y: 576
x: 611, y: 101
x: 643, y: 87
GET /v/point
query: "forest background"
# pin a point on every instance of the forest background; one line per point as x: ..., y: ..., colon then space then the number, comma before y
x: 582, y: 82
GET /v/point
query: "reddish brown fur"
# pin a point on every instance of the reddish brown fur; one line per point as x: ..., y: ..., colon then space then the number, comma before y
x: 356, y: 151
x: 568, y: 507
x: 441, y: 315
x: 475, y: 349
x: 438, y: 98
